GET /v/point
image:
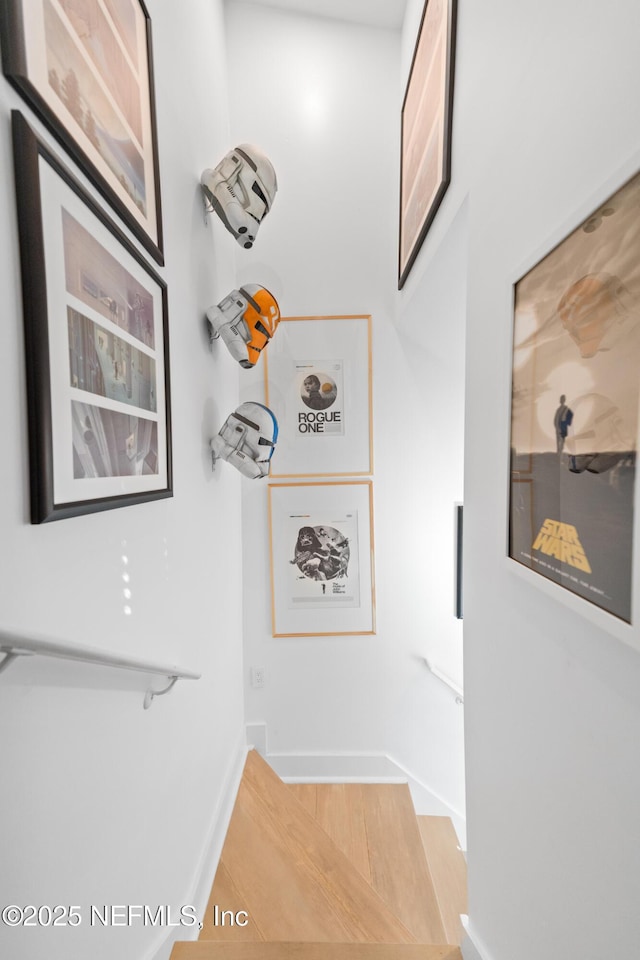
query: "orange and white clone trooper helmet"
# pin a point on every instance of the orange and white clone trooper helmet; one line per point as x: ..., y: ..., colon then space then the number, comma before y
x: 246, y: 320
x: 241, y: 190
x: 247, y: 440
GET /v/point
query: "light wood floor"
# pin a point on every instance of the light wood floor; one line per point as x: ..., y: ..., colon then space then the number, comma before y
x: 376, y: 827
x: 211, y: 950
x: 332, y: 872
x: 289, y: 876
x: 448, y: 869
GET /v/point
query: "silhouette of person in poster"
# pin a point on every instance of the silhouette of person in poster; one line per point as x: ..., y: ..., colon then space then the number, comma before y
x: 562, y: 422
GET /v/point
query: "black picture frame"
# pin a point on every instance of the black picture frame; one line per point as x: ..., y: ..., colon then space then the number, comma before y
x: 458, y: 567
x: 425, y: 135
x: 96, y: 345
x: 114, y: 145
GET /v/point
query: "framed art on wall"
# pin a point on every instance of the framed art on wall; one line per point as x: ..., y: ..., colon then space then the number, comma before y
x: 322, y: 565
x: 86, y: 68
x: 574, y: 410
x: 96, y: 337
x: 425, y: 152
x: 318, y: 385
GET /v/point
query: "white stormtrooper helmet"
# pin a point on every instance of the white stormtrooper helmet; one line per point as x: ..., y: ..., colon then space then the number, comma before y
x: 241, y: 190
x: 246, y: 320
x: 247, y: 440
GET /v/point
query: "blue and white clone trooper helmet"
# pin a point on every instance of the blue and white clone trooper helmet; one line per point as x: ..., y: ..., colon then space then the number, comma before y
x: 246, y: 320
x: 247, y: 440
x: 241, y: 190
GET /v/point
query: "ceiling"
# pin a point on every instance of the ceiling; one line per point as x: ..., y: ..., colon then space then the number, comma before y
x: 379, y: 13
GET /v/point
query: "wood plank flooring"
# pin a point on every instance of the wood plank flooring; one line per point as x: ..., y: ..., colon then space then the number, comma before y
x: 448, y: 869
x: 375, y: 826
x: 209, y: 950
x: 332, y: 872
x: 288, y: 875
x: 339, y: 809
x: 226, y: 896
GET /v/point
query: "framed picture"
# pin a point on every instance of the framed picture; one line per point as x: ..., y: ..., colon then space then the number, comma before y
x: 85, y: 67
x: 96, y: 336
x: 318, y: 385
x: 322, y: 569
x: 425, y: 152
x: 574, y: 409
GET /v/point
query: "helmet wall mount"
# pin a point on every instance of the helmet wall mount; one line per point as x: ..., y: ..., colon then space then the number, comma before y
x: 241, y: 190
x: 246, y: 320
x: 247, y: 440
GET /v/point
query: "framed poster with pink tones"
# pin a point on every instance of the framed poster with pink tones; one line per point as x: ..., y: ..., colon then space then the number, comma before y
x: 86, y: 68
x: 425, y: 153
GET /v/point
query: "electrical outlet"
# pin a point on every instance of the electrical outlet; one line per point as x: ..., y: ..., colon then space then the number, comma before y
x: 257, y: 677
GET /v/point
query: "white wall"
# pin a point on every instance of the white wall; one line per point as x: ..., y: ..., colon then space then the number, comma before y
x: 431, y: 318
x: 547, y: 110
x: 103, y: 802
x: 326, y: 111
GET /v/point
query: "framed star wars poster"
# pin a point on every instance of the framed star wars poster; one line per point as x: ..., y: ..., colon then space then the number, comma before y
x: 574, y: 410
x: 322, y: 566
x: 318, y: 385
x: 85, y: 67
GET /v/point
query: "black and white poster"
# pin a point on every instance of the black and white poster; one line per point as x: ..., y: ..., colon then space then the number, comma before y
x: 322, y: 564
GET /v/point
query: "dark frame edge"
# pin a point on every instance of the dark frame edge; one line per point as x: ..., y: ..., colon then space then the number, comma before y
x: 154, y: 136
x: 28, y: 148
x: 12, y: 39
x: 448, y: 137
x: 459, y: 519
x: 34, y: 304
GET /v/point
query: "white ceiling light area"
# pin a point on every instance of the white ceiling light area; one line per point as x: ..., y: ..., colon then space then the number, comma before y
x: 377, y: 13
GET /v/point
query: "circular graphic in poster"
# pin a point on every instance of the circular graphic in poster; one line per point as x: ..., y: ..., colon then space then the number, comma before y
x: 318, y: 391
x: 322, y: 553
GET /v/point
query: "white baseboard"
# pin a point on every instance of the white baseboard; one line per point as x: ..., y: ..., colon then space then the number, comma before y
x: 357, y: 768
x: 335, y: 768
x: 472, y: 947
x: 205, y: 870
x: 430, y: 804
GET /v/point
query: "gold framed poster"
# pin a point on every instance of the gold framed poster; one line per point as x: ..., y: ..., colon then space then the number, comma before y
x: 322, y: 560
x: 318, y: 385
